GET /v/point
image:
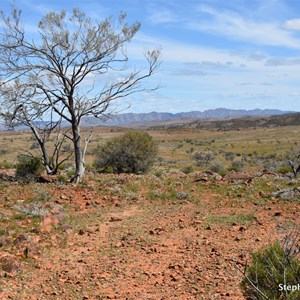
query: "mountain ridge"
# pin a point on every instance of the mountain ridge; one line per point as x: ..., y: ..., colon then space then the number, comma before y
x: 127, y: 119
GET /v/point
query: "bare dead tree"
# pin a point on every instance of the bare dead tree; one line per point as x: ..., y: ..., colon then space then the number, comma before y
x: 18, y: 109
x: 64, y: 65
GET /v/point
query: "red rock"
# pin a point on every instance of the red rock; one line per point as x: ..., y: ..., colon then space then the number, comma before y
x: 9, y: 263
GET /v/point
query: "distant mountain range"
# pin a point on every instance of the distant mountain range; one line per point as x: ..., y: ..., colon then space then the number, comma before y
x: 291, y: 119
x: 131, y: 119
x: 154, y: 119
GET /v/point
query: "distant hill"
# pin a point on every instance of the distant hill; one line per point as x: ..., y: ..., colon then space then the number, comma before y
x: 128, y: 119
x: 221, y: 116
x: 245, y: 122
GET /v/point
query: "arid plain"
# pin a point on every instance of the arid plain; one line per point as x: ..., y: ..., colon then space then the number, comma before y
x: 182, y: 231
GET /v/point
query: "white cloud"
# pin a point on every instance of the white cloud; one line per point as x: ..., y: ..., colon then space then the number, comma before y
x: 236, y: 27
x: 266, y: 83
x: 244, y: 83
x: 177, y: 52
x: 162, y: 16
x: 280, y: 61
x: 292, y: 24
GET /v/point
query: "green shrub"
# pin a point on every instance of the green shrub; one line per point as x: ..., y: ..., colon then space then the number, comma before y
x: 237, y: 166
x: 229, y: 156
x: 71, y: 173
x: 203, y: 157
x: 29, y: 168
x: 283, y: 169
x: 131, y: 152
x: 271, y: 268
x: 62, y: 178
x: 158, y: 172
x: 187, y: 169
x: 218, y: 167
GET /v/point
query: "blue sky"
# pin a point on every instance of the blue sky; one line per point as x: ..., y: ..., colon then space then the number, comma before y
x: 239, y: 54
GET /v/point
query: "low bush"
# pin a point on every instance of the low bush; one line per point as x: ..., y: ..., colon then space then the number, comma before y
x: 284, y: 169
x: 218, y: 167
x: 237, y: 166
x: 274, y: 272
x: 29, y: 168
x: 202, y: 158
x: 132, y: 152
x: 187, y: 169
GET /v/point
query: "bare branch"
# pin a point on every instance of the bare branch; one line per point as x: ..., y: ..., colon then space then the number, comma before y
x: 243, y: 272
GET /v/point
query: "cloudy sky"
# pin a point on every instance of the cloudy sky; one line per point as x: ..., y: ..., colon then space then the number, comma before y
x: 240, y: 54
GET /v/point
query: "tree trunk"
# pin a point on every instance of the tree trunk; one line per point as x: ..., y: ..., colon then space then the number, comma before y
x: 45, y: 157
x: 46, y: 161
x: 79, y: 158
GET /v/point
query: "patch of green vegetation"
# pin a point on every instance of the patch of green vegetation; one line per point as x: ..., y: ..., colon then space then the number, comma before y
x: 131, y: 187
x: 284, y: 170
x: 7, y: 165
x: 4, y: 186
x: 187, y: 169
x: 70, y: 173
x: 168, y: 193
x: 158, y: 195
x: 41, y: 195
x: 132, y: 152
x: 131, y: 195
x: 28, y: 168
x: 231, y: 219
x: 63, y: 179
x: 271, y: 267
x: 19, y: 216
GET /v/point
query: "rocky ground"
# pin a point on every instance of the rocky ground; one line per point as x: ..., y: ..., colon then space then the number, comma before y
x: 136, y: 237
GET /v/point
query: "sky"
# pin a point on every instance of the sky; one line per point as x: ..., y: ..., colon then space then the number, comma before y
x: 236, y: 54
